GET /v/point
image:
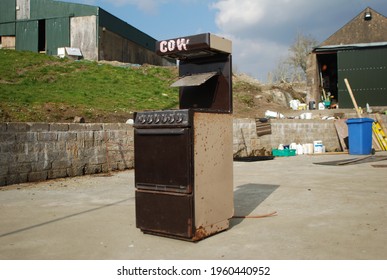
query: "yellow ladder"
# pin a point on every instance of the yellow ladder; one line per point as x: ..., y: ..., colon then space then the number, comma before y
x: 380, y: 135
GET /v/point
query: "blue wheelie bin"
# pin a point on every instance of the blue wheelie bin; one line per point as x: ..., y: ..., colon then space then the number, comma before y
x: 360, y: 136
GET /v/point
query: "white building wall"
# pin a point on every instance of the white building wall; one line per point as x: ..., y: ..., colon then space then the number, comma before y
x: 83, y: 35
x: 23, y: 9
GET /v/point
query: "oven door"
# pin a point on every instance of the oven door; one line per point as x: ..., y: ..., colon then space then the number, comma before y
x: 165, y: 213
x: 163, y: 159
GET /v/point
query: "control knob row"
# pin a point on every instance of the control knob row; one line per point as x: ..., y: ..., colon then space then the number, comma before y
x: 164, y: 118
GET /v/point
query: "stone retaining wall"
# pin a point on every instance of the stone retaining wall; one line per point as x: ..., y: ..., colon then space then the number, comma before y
x: 246, y: 141
x: 287, y: 131
x: 302, y: 132
x: 32, y: 152
x: 39, y: 151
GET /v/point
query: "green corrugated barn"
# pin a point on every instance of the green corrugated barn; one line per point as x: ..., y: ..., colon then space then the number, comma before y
x: 357, y: 52
x: 46, y: 25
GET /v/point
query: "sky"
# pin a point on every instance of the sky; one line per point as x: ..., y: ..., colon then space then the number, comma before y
x: 261, y: 31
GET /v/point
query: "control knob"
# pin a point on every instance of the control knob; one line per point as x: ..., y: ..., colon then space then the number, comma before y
x: 179, y: 118
x: 171, y: 118
x: 157, y: 118
x: 141, y: 119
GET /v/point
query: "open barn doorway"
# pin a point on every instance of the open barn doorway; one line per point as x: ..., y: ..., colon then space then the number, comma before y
x: 42, y: 36
x: 327, y: 67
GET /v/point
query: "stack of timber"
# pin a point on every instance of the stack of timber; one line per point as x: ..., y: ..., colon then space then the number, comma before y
x: 263, y: 127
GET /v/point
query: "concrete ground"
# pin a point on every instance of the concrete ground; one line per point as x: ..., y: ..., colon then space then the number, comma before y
x: 324, y: 212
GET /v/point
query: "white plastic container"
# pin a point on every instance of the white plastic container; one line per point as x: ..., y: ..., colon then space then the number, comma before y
x: 308, y: 148
x: 294, y: 104
x: 273, y: 115
x: 308, y: 116
x: 317, y: 147
x: 300, y: 149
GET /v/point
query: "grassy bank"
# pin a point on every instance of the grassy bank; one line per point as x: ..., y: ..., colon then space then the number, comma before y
x: 36, y: 87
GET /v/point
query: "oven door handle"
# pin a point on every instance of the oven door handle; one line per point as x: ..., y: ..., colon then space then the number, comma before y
x: 160, y: 131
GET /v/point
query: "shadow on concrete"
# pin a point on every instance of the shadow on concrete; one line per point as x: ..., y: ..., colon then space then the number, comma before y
x: 62, y: 218
x: 247, y: 197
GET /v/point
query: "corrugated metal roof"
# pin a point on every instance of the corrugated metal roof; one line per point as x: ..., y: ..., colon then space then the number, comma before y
x: 53, y: 9
x: 349, y: 46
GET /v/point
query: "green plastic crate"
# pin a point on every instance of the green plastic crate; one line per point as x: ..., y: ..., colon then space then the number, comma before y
x: 284, y: 153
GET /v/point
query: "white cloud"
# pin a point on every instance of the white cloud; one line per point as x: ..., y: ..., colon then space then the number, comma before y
x: 235, y: 15
x: 146, y: 6
x: 263, y: 30
x: 269, y: 18
x: 255, y: 57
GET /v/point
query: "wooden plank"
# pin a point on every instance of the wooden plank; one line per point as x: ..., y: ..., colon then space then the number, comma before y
x: 263, y: 128
x: 330, y: 153
x: 353, y: 160
x: 342, y: 133
x: 379, y: 165
x: 352, y: 97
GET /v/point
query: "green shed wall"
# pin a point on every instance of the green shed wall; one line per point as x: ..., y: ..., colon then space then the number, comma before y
x: 27, y: 38
x: 7, y: 29
x: 125, y: 30
x: 7, y: 17
x: 366, y: 71
x: 68, y: 24
x: 7, y: 11
x: 57, y: 34
x: 42, y: 9
x: 51, y: 9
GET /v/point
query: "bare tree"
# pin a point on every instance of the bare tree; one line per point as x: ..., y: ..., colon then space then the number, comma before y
x: 295, y: 63
x: 282, y: 72
x: 300, y: 49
